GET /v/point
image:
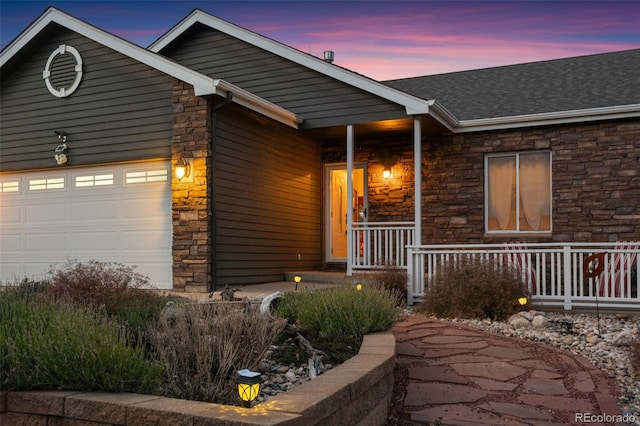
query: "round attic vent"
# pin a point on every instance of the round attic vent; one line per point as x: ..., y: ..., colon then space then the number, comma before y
x: 63, y: 71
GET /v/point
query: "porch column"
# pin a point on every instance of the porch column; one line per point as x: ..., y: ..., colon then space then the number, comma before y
x: 417, y: 183
x: 349, y: 200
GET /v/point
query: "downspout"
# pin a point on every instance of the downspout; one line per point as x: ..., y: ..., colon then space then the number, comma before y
x: 211, y: 179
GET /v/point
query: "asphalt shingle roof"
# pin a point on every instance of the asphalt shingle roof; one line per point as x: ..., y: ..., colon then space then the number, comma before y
x: 594, y: 81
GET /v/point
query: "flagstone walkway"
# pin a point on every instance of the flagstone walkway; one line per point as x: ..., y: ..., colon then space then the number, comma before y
x: 458, y: 375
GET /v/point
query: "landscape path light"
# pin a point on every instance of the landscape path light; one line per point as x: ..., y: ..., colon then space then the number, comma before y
x: 248, y: 386
x: 297, y: 280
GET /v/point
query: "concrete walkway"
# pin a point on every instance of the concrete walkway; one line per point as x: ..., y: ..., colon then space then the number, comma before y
x: 458, y: 375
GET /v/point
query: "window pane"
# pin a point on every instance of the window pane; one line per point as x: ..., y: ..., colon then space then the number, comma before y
x: 502, y: 189
x: 535, y: 206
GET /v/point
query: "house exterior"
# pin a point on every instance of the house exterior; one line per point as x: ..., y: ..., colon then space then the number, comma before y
x: 294, y: 162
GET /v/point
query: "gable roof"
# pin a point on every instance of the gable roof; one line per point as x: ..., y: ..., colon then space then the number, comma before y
x: 202, y: 84
x: 573, y: 89
x: 413, y: 105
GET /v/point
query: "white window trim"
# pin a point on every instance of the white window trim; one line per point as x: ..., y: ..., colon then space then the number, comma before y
x: 486, y: 194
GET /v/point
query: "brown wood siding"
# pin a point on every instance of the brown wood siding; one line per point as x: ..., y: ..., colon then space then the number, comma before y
x: 267, y: 199
x: 121, y: 111
x: 321, y: 100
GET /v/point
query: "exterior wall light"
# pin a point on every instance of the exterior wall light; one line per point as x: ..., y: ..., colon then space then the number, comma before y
x: 183, y: 168
x: 60, y: 153
x: 248, y: 386
x: 386, y: 173
x: 297, y: 280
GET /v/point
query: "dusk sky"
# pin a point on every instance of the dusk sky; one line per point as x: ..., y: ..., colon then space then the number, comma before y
x: 380, y: 39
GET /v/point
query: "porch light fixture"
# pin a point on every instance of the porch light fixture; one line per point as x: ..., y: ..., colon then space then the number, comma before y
x: 386, y: 173
x: 248, y: 386
x: 183, y: 167
x: 297, y: 280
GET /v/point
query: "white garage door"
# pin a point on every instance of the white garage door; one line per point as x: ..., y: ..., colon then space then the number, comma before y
x: 109, y: 213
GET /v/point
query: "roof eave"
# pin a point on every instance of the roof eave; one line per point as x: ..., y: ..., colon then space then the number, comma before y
x: 550, y: 118
x: 413, y: 105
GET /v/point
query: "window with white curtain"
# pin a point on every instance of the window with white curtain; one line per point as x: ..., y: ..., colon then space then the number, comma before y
x: 518, y: 192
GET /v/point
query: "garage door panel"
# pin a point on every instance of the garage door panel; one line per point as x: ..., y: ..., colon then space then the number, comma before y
x: 107, y: 220
x: 143, y: 208
x: 95, y: 210
x: 46, y: 213
x: 94, y: 241
x: 11, y: 215
x: 49, y: 241
x: 10, y: 242
x: 146, y: 241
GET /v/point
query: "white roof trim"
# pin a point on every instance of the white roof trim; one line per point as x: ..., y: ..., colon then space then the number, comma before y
x: 202, y: 84
x: 544, y: 119
x: 412, y: 104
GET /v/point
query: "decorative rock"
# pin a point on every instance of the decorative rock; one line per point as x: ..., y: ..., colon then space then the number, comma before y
x: 528, y: 315
x: 539, y: 321
x: 518, y: 321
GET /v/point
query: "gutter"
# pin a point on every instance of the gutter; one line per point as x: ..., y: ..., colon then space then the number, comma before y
x: 548, y: 118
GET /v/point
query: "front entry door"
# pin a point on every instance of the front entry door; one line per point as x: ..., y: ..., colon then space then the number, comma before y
x: 336, y: 208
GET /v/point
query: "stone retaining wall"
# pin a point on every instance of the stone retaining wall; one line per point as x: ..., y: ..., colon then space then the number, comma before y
x: 357, y: 392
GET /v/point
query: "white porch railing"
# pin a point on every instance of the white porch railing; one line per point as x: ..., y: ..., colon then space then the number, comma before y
x: 553, y: 272
x: 380, y: 244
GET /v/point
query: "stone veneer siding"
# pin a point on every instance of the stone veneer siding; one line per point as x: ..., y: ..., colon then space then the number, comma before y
x: 191, y: 136
x: 595, y: 182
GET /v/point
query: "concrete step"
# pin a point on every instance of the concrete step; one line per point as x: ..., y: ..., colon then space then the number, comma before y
x: 317, y: 277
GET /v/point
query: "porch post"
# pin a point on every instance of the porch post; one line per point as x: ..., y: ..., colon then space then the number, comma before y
x: 417, y: 183
x: 349, y: 200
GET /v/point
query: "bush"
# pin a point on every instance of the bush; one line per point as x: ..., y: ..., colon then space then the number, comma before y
x: 201, y: 346
x: 48, y: 344
x: 341, y: 316
x: 474, y: 288
x: 391, y: 278
x: 112, y: 286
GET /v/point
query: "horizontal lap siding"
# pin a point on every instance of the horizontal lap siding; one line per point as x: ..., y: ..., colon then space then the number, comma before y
x: 319, y: 99
x: 121, y: 111
x: 267, y: 198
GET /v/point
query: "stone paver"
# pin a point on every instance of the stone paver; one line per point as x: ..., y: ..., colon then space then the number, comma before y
x: 462, y: 376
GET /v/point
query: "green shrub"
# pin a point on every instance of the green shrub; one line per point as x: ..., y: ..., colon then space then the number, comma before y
x: 48, y: 344
x: 201, y: 346
x: 473, y: 288
x: 341, y: 316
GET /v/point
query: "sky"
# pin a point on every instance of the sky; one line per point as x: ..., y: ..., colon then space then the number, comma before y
x: 381, y: 39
